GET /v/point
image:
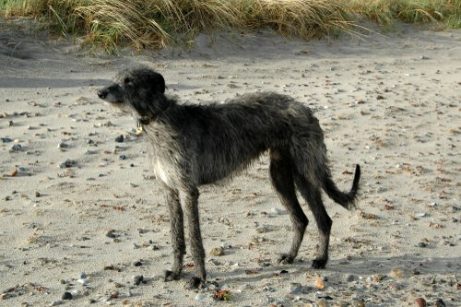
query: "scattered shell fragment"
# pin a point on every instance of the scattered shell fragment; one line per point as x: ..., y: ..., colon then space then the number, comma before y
x: 217, y: 251
x: 320, y: 283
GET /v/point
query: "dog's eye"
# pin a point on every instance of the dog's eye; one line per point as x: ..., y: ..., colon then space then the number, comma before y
x: 127, y: 81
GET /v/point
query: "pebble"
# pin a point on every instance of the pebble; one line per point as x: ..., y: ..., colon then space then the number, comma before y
x: 120, y: 138
x: 420, y: 302
x: 319, y: 283
x: 63, y: 145
x: 6, y: 140
x: 358, y: 303
x: 83, y: 278
x: 68, y: 163
x: 137, y: 263
x: 396, y: 273
x: 138, y: 279
x: 200, y: 297
x: 322, y: 303
x: 440, y: 303
x: 422, y: 244
x: 16, y: 148
x: 67, y: 296
x: 56, y: 303
x: 217, y: 251
x: 277, y: 211
x: 297, y: 288
x: 114, y: 294
x: 264, y: 229
x: 112, y: 234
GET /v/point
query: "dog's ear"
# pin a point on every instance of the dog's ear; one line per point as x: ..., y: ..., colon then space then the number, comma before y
x: 158, y: 82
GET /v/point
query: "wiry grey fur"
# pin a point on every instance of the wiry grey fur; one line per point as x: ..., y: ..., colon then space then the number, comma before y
x: 197, y: 144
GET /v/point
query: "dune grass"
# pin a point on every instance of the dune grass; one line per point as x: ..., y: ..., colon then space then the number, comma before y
x: 157, y: 23
x: 385, y: 12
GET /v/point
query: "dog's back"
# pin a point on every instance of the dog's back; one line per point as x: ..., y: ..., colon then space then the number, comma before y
x: 220, y: 139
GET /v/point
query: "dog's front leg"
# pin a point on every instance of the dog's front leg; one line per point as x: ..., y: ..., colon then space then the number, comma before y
x: 198, y: 253
x: 177, y: 233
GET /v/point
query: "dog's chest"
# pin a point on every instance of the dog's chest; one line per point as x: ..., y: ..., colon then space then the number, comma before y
x: 162, y: 171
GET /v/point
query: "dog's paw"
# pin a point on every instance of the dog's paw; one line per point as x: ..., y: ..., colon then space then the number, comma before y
x: 195, y: 283
x: 285, y: 259
x: 170, y: 275
x: 319, y: 263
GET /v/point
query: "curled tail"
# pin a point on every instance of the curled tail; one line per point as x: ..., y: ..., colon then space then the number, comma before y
x: 344, y: 199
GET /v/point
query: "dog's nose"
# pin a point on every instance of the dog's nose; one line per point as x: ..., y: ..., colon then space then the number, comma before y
x: 102, y: 93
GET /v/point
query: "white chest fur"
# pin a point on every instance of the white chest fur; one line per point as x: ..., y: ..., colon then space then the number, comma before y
x: 161, y: 172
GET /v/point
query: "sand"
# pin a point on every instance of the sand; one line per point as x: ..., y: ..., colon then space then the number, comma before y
x: 82, y: 216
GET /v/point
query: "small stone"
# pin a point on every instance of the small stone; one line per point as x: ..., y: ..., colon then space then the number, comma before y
x: 322, y: 303
x: 112, y: 234
x: 420, y: 302
x: 138, y: 279
x: 200, y: 297
x: 277, y: 211
x: 114, y: 294
x: 396, y: 273
x: 440, y: 303
x: 14, y: 173
x: 379, y: 97
x: 63, y: 145
x: 6, y: 140
x: 358, y: 303
x: 222, y: 295
x: 349, y: 278
x: 37, y: 194
x: 68, y: 163
x: 217, y: 251
x: 319, y: 283
x: 56, y: 303
x: 422, y: 244
x: 423, y: 57
x: 11, y: 123
x: 137, y: 263
x: 120, y: 138
x: 284, y: 272
x: 296, y: 288
x: 67, y: 296
x: 122, y: 157
x: 16, y: 148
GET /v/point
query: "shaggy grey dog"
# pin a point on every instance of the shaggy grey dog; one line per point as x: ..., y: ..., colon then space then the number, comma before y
x: 197, y: 144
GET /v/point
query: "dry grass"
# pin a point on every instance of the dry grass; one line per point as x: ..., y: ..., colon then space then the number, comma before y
x: 157, y: 23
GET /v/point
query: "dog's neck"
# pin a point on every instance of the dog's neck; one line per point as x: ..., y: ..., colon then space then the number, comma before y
x: 149, y: 118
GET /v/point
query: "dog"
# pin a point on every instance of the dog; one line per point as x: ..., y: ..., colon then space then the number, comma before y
x: 194, y: 145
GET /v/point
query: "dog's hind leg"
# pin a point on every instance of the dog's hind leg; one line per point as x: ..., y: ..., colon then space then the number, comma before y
x: 177, y: 233
x: 313, y: 197
x: 196, y: 245
x: 282, y: 180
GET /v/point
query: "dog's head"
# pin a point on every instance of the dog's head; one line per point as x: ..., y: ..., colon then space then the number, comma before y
x: 139, y: 90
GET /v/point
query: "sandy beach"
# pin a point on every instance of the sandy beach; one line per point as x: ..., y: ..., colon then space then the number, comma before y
x: 82, y: 216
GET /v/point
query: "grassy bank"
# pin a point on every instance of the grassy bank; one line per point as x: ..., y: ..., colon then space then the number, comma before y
x: 157, y: 23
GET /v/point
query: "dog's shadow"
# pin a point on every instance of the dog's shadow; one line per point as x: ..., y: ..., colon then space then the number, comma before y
x: 356, y: 266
